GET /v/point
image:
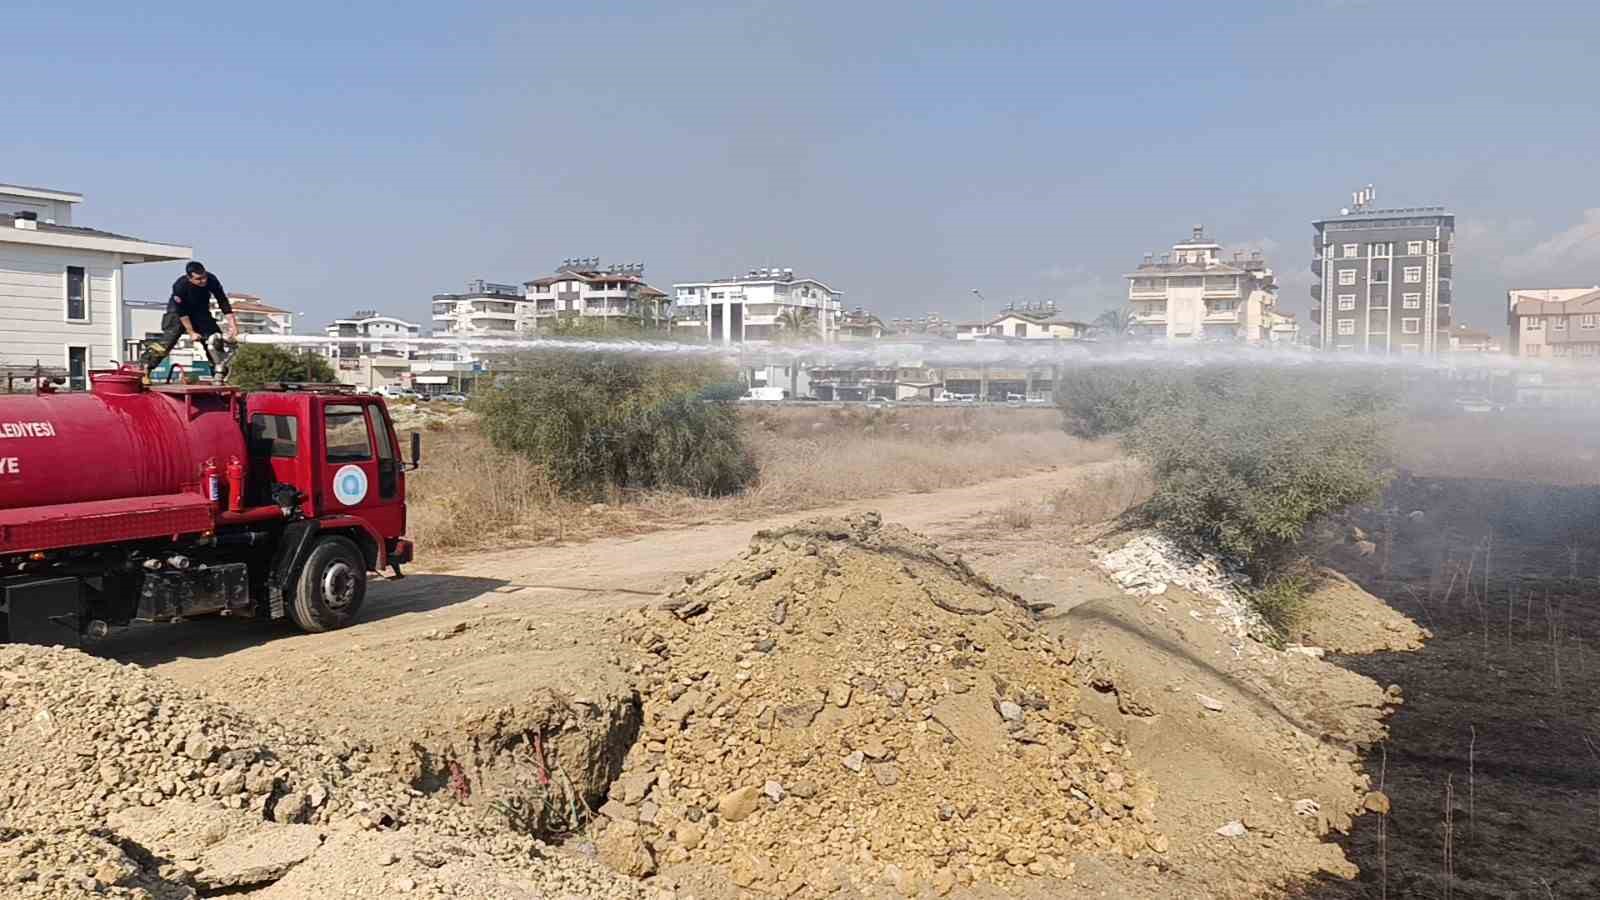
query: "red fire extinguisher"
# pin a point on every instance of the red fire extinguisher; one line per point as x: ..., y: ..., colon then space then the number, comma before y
x: 213, y: 482
x: 235, y: 484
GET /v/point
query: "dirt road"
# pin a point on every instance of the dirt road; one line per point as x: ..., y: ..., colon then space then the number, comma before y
x: 481, y: 630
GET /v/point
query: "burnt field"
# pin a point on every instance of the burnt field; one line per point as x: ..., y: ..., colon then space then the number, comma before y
x: 1493, y: 763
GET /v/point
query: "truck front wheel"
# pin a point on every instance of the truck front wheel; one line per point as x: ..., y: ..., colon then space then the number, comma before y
x: 331, y: 586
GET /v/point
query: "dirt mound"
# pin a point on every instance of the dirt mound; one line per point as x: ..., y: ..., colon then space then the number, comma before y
x: 845, y: 703
x: 1341, y: 617
x: 135, y: 785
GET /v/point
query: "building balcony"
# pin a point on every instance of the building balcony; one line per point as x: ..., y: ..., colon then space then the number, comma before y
x: 1149, y: 318
x: 476, y: 317
x: 1316, y: 292
x: 1147, y: 293
x: 1445, y: 269
x: 1316, y: 266
x: 1222, y: 317
x: 1220, y: 293
x: 1316, y: 314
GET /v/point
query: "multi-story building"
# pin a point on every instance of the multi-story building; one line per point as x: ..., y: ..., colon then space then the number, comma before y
x: 1555, y: 322
x: 484, y: 309
x: 753, y: 307
x: 1194, y: 294
x: 1383, y: 278
x: 257, y: 317
x: 860, y: 325
x: 581, y: 288
x: 61, y: 285
x: 1029, y: 322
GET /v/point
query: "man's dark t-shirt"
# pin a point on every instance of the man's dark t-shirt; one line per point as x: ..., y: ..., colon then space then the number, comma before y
x: 195, y: 302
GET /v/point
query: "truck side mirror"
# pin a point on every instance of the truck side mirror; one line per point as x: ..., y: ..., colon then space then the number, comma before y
x: 416, y: 449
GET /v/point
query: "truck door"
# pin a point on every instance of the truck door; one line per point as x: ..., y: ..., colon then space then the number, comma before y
x: 362, y: 475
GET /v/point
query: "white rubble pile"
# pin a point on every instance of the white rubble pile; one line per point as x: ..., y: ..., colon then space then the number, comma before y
x: 1148, y: 563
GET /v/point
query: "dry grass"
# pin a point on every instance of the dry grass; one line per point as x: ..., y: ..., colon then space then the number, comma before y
x: 469, y: 495
x: 1103, y: 494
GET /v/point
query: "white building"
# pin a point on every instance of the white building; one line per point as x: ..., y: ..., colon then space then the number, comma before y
x: 581, y: 288
x: 484, y: 309
x: 366, y: 333
x: 256, y: 316
x: 1194, y: 294
x: 1031, y: 322
x: 750, y: 308
x: 61, y: 286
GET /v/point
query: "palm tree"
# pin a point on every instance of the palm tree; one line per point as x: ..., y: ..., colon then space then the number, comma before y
x: 1115, y: 323
x: 795, y: 325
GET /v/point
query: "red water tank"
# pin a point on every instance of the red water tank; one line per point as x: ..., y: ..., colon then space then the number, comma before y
x: 119, y: 441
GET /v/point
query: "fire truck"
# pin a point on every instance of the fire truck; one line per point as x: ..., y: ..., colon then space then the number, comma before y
x: 131, y: 503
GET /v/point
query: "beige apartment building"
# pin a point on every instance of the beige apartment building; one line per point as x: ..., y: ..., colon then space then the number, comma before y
x: 1194, y: 294
x: 1554, y: 323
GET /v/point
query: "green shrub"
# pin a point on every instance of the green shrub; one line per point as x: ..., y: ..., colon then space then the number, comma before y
x: 1260, y: 452
x: 1110, y: 399
x: 255, y: 365
x: 603, y: 421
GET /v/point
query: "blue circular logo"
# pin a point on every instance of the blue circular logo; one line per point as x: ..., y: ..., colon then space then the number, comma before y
x: 350, y: 485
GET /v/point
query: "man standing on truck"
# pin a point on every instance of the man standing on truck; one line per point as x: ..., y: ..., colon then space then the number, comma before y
x: 189, y: 312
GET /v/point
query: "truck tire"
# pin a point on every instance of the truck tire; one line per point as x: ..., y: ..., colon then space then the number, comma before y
x: 331, y: 586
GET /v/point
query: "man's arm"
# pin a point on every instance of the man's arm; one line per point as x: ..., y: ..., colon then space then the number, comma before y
x: 225, y: 307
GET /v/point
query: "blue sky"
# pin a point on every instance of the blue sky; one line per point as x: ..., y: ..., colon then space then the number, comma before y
x: 336, y: 156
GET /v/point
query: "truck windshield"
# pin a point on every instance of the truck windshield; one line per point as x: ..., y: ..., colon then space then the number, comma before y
x: 347, y: 434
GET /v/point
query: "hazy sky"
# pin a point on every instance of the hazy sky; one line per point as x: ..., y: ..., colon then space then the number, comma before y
x: 335, y: 156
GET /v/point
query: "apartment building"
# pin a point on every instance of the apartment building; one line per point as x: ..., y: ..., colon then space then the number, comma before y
x: 860, y: 325
x: 1384, y: 277
x: 1194, y: 294
x: 484, y: 309
x: 256, y: 316
x: 750, y: 308
x: 1462, y: 338
x: 582, y: 288
x: 61, y: 285
x: 1555, y: 323
x: 1028, y: 322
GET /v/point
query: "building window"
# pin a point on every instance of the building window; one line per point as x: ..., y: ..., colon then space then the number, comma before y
x: 1347, y: 276
x: 1379, y: 275
x: 1411, y: 301
x: 78, y: 368
x: 77, y: 308
x: 1413, y: 248
x: 1378, y: 249
x: 1351, y: 250
x: 1413, y: 274
x: 1589, y: 321
x: 1533, y: 323
x: 1559, y: 323
x: 1347, y: 302
x: 1411, y: 326
x: 1347, y: 326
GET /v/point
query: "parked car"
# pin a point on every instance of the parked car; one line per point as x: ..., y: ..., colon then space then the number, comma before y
x: 394, y: 392
x: 450, y: 397
x: 765, y: 395
x: 948, y: 397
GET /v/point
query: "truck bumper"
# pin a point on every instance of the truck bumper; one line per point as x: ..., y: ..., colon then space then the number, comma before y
x: 400, y: 551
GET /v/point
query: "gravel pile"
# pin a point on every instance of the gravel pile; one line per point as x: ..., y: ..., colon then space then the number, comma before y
x: 97, y: 758
x: 845, y: 704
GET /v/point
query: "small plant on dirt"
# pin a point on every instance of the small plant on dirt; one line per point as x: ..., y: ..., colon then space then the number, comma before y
x: 1281, y: 602
x: 1017, y: 515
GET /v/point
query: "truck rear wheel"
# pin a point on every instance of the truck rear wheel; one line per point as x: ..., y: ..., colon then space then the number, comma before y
x: 332, y: 584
